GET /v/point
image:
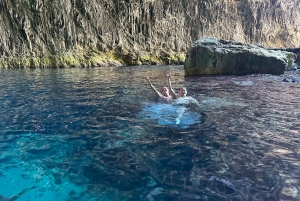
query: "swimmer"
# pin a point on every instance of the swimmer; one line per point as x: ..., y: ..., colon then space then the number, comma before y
x: 182, y: 91
x: 165, y: 91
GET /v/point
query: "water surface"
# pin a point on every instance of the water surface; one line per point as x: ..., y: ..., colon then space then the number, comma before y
x: 100, y: 134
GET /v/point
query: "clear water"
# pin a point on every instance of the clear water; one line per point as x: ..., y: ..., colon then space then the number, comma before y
x: 100, y: 134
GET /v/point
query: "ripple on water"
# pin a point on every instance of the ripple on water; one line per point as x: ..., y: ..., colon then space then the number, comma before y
x: 84, y: 134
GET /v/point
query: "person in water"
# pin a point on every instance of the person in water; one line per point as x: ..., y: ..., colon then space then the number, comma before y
x: 165, y: 91
x: 182, y: 91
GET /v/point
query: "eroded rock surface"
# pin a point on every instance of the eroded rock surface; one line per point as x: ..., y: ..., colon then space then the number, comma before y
x: 115, y: 32
x: 209, y: 56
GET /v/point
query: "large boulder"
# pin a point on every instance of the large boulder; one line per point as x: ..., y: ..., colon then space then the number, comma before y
x: 210, y: 56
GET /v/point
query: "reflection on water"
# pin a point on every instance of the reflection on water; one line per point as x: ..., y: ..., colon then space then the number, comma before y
x: 88, y: 134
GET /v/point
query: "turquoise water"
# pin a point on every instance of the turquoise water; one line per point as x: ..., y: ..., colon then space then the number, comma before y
x: 100, y: 134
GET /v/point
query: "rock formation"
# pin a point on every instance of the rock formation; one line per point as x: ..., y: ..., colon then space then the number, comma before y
x: 209, y: 56
x: 38, y: 33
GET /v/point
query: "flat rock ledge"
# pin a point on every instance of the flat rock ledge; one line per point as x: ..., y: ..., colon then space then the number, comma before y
x: 210, y: 56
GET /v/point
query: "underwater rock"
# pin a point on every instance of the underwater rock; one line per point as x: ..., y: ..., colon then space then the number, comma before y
x: 117, y: 168
x: 116, y: 178
x: 175, y: 115
x: 244, y: 83
x: 210, y: 56
x: 155, y: 191
x: 293, y: 67
x: 221, y: 186
x: 291, y: 79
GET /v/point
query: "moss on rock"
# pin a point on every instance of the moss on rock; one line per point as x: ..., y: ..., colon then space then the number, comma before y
x: 76, y: 58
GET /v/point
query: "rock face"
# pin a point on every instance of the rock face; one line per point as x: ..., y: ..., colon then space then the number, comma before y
x: 209, y: 56
x: 115, y: 32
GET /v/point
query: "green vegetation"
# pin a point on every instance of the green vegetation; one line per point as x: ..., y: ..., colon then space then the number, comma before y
x: 74, y: 59
x: 290, y: 59
x: 80, y: 57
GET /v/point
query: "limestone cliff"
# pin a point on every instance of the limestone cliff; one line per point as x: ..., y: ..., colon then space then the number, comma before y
x: 57, y: 33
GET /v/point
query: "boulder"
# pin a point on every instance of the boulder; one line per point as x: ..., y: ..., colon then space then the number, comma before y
x: 210, y: 56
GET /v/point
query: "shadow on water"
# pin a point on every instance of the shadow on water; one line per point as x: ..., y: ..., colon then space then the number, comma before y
x: 84, y: 134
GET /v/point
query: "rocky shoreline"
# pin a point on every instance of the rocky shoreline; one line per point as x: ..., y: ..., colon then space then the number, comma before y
x: 91, y: 59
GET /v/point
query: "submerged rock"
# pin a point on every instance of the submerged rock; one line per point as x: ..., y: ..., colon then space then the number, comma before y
x: 293, y: 67
x: 179, y: 113
x: 291, y: 79
x: 209, y: 56
x: 221, y: 186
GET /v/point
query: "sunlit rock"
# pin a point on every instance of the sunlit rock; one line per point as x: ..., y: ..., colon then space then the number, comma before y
x: 209, y: 56
x: 36, y: 33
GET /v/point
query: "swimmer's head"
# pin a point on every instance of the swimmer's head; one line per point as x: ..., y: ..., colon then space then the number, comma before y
x: 165, y: 91
x: 183, y: 92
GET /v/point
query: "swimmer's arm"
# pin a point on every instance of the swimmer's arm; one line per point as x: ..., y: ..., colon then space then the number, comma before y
x: 153, y: 88
x: 172, y: 92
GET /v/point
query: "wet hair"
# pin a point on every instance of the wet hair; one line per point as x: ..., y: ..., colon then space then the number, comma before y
x: 183, y: 88
x: 180, y: 91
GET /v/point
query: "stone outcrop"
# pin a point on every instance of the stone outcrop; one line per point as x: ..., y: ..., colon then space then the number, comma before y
x: 115, y: 32
x: 209, y: 56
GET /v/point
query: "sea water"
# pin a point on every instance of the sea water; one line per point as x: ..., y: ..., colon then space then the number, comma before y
x: 101, y: 134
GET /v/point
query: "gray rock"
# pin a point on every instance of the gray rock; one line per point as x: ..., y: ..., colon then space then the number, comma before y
x: 293, y: 67
x: 291, y: 78
x: 209, y: 56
